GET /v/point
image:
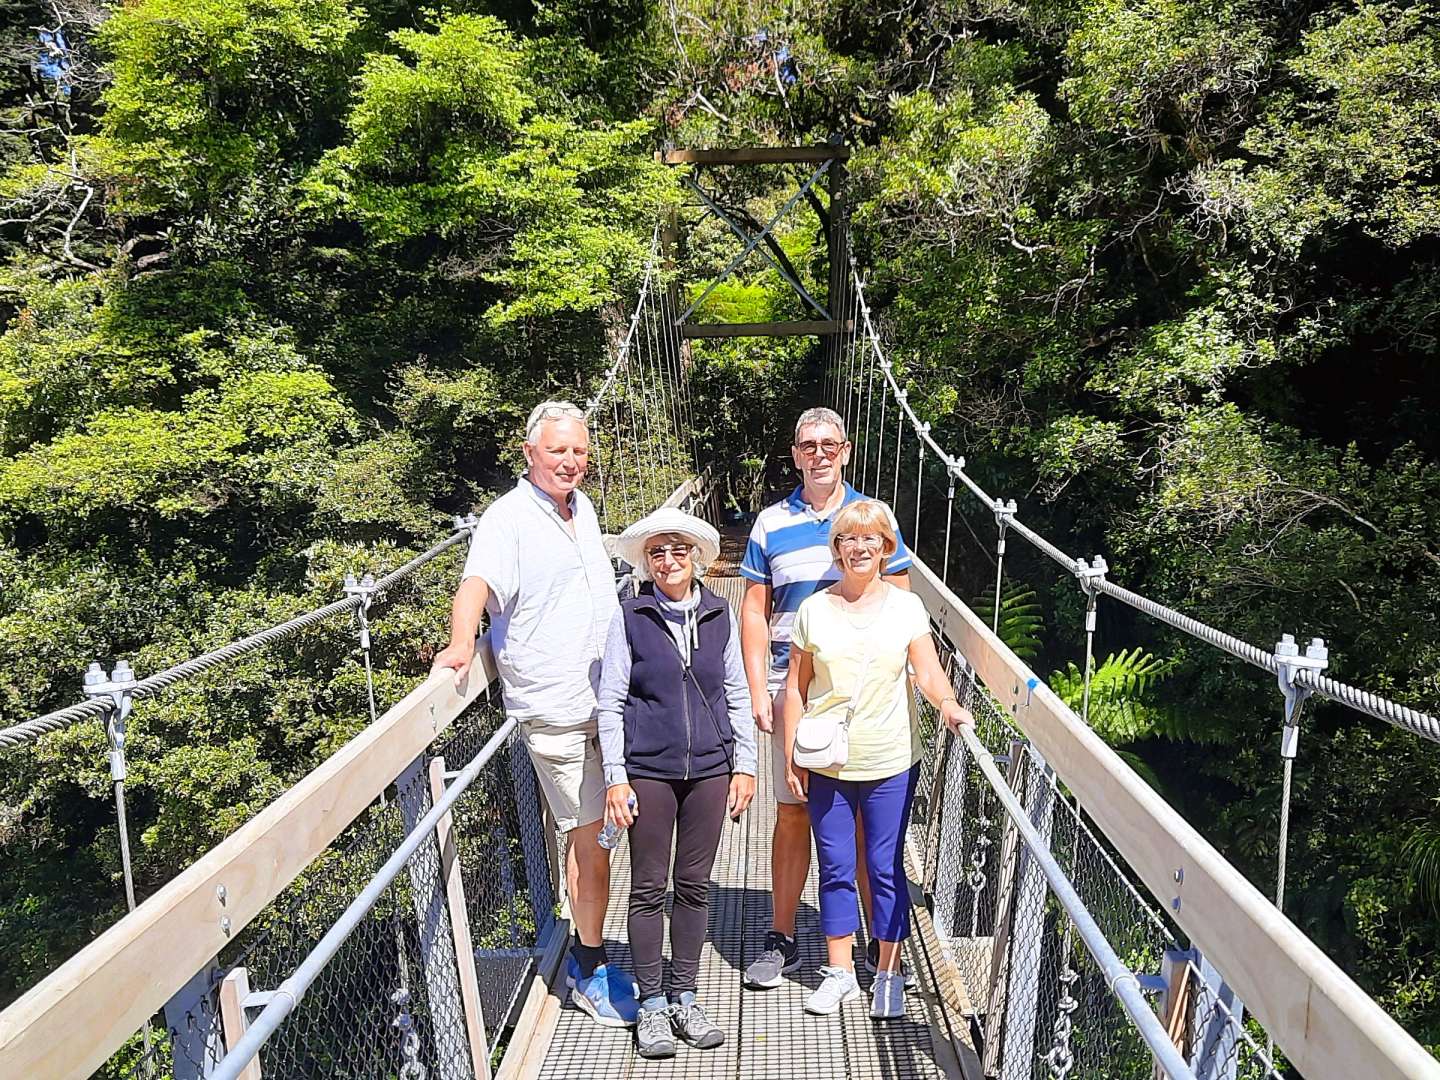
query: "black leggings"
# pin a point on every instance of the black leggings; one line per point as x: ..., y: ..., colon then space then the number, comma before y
x: 696, y: 810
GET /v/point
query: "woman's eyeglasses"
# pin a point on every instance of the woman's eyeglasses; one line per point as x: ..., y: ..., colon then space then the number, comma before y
x: 867, y: 541
x: 679, y: 552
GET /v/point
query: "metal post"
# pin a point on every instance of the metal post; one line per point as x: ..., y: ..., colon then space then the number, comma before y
x: 1220, y: 1018
x: 191, y: 1016
x: 365, y: 590
x: 460, y: 926
x: 119, y: 687
x: 1289, y: 661
x: 542, y: 876
x: 1003, y: 513
x: 1027, y: 937
x: 1000, y: 956
x: 1088, y: 576
x: 437, y: 941
x: 919, y: 482
x: 951, y: 467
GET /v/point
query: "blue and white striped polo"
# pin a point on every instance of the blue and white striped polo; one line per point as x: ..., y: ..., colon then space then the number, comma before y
x: 789, y: 550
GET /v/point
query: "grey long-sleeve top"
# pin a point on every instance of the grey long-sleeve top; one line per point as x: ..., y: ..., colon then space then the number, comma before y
x: 615, y: 688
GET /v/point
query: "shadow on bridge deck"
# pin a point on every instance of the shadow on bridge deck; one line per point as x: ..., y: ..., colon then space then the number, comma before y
x: 768, y: 1035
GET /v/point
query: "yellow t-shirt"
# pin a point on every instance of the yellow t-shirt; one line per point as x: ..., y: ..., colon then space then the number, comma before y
x: 884, y: 733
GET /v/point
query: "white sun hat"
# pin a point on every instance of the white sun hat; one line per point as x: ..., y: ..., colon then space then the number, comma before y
x: 669, y: 519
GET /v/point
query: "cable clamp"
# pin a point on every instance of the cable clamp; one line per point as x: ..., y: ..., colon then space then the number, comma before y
x: 1088, y: 574
x: 955, y: 465
x: 365, y: 590
x: 1288, y: 661
x: 119, y: 687
x: 469, y: 522
x: 1004, y: 512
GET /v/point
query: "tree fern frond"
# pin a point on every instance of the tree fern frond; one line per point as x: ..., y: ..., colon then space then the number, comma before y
x: 1022, y: 626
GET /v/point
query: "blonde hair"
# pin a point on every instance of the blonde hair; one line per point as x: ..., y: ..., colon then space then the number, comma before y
x: 864, y: 516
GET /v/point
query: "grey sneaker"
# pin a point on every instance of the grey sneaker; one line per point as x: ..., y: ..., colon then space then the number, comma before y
x: 781, y: 956
x: 887, y: 997
x: 836, y: 988
x: 652, y: 1032
x: 872, y: 963
x: 691, y: 1024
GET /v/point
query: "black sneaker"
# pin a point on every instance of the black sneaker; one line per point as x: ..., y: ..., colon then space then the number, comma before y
x: 780, y: 957
x: 653, y: 1038
x: 872, y: 963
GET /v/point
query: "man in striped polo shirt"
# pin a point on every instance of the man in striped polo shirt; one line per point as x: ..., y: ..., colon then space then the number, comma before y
x: 788, y: 558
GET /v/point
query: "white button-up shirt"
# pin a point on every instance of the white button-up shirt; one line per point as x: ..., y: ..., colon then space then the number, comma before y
x: 552, y: 596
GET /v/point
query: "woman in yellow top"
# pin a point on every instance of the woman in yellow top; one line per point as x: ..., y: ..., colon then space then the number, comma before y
x: 849, y: 653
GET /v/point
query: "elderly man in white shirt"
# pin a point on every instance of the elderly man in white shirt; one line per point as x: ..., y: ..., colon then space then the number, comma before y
x: 538, y: 565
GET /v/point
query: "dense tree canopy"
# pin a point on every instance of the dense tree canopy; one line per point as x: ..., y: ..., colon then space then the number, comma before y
x: 281, y: 278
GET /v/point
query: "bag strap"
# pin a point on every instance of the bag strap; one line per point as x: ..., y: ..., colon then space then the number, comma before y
x: 865, y: 661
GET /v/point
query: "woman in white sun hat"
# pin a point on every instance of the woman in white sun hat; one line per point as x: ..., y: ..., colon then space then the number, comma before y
x: 678, y: 743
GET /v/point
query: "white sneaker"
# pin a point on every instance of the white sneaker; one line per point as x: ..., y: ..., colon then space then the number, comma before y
x: 887, y: 998
x: 837, y: 987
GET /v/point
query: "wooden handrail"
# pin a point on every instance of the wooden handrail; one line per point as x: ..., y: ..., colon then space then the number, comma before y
x: 71, y: 1023
x: 1328, y: 1027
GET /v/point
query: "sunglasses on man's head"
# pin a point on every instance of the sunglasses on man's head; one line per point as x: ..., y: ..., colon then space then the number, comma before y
x: 669, y: 551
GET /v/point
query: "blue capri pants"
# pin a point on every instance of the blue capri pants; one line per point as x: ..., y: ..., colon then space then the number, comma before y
x: 884, y: 807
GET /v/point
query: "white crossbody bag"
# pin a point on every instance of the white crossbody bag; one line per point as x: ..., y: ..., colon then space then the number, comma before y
x: 823, y: 742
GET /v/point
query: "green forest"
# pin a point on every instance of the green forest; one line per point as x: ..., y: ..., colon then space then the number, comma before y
x: 280, y: 280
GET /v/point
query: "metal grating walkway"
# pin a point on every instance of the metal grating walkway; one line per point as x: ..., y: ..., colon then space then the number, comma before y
x: 768, y: 1035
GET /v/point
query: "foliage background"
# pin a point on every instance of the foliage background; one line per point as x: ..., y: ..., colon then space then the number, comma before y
x: 281, y: 276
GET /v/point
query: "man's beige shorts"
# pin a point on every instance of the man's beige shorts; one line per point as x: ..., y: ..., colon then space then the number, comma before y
x: 567, y: 764
x: 777, y: 753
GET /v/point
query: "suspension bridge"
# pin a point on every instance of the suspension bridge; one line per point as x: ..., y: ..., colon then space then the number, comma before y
x: 400, y: 911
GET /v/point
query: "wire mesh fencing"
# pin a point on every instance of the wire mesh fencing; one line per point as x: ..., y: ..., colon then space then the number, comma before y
x: 1038, y: 998
x: 392, y: 1002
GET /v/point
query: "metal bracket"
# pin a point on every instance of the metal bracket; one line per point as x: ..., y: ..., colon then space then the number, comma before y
x: 955, y: 466
x: 1004, y: 512
x: 365, y: 590
x: 1089, y: 573
x: 258, y: 999
x: 1287, y: 662
x: 469, y: 521
x: 119, y: 687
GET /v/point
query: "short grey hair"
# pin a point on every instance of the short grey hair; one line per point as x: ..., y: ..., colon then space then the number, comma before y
x: 820, y: 415
x: 550, y: 410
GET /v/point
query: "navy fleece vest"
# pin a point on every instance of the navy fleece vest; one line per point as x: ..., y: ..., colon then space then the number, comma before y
x: 677, y: 725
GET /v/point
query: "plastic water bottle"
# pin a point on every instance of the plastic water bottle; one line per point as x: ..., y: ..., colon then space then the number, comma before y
x: 609, y: 837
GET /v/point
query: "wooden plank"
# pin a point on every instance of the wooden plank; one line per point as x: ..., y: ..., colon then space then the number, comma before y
x: 234, y: 989
x: 460, y: 927
x: 765, y: 329
x: 1327, y: 1026
x: 530, y: 1038
x: 70, y: 1023
x: 756, y: 155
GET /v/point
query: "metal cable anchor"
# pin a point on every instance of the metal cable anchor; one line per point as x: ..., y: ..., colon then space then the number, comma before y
x: 119, y: 687
x: 365, y: 590
x: 1287, y: 662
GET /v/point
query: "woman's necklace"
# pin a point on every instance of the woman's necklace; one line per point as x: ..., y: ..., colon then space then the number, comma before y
x: 851, y: 611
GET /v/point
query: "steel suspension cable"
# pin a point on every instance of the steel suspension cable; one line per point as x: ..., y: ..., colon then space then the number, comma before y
x: 1421, y: 723
x: 30, y: 730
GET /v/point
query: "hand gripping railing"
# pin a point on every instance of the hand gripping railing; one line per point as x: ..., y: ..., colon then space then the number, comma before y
x: 98, y: 707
